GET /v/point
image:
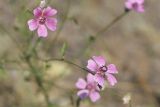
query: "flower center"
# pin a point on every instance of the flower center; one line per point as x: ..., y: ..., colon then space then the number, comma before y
x: 42, y: 20
x: 102, y: 71
x: 90, y: 86
x: 135, y: 5
x: 103, y: 68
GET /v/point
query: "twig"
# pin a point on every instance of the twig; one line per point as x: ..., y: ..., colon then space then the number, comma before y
x: 39, y: 80
x: 66, y: 61
x: 78, y: 102
x: 34, y: 71
x: 62, y: 25
x: 107, y: 27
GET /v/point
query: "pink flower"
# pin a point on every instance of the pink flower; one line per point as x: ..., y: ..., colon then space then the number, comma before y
x: 88, y: 88
x: 42, y: 20
x: 102, y: 72
x: 137, y: 5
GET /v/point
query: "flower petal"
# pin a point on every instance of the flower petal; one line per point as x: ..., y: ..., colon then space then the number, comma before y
x: 49, y: 11
x: 111, y: 79
x: 112, y: 69
x: 42, y: 31
x: 51, y: 23
x: 128, y: 5
x: 137, y: 5
x: 92, y: 65
x: 32, y: 24
x: 99, y: 60
x: 81, y: 83
x: 140, y: 1
x: 140, y: 9
x: 90, y: 78
x: 99, y: 79
x: 94, y: 96
x: 83, y: 93
x: 37, y: 12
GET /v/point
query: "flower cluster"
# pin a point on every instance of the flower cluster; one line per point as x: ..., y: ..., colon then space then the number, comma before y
x: 88, y: 87
x: 91, y: 87
x: 100, y: 71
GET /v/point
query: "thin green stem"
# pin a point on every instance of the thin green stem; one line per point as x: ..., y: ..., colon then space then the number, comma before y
x: 68, y: 62
x: 15, y: 41
x: 32, y: 46
x: 107, y: 27
x: 39, y: 80
x: 130, y: 103
x: 36, y: 73
x: 63, y: 21
x: 78, y: 102
x: 61, y: 26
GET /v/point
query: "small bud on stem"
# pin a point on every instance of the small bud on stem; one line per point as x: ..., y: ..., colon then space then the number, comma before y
x: 43, y: 3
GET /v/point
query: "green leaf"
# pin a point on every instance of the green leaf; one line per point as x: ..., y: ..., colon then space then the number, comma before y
x: 91, y: 38
x: 63, y: 49
x: 2, y: 71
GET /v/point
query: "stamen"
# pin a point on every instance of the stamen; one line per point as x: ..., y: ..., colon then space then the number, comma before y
x: 135, y: 5
x: 89, y: 86
x: 103, y: 68
x: 42, y: 20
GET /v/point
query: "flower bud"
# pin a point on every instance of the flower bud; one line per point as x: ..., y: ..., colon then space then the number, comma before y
x: 127, y: 98
x: 43, y: 3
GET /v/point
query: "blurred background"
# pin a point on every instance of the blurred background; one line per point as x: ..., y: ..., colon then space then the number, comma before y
x: 133, y: 44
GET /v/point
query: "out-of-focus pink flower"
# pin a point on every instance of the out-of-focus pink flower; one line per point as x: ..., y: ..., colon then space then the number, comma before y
x: 88, y: 88
x: 97, y: 65
x: 137, y: 5
x: 42, y: 20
